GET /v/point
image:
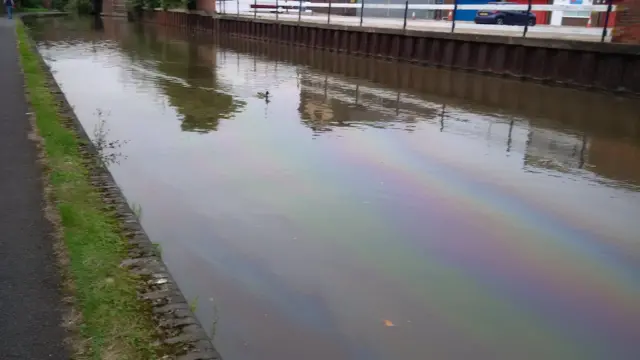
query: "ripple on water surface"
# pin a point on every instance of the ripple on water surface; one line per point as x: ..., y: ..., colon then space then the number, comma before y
x: 364, y: 209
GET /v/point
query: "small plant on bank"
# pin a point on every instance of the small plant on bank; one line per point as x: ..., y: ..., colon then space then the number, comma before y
x: 137, y: 210
x: 193, y: 305
x: 157, y: 248
x: 214, y: 323
x: 107, y: 149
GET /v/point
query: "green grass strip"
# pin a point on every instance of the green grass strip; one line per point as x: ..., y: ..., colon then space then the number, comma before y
x: 32, y: 10
x: 114, y: 325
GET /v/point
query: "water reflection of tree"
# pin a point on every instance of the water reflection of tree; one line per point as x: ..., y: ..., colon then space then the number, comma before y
x: 202, y: 108
x: 81, y: 30
x: 195, y: 93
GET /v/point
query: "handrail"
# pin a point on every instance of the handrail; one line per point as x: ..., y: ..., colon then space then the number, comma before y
x: 443, y: 11
x: 509, y: 7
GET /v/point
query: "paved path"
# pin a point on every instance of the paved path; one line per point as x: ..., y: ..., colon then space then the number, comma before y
x: 30, y: 315
x: 538, y: 31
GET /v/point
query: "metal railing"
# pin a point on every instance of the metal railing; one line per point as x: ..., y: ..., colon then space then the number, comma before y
x: 305, y: 11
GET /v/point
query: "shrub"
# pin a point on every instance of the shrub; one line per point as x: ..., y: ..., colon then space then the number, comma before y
x: 79, y: 6
x: 59, y: 4
x: 31, y: 4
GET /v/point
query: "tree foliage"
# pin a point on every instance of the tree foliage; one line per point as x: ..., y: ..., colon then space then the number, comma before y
x: 32, y: 4
x: 59, y: 4
x: 72, y: 6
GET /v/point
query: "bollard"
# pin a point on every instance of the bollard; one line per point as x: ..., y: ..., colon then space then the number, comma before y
x: 238, y: 8
x: 277, y: 9
x: 329, y: 14
x: 526, y: 26
x: 300, y: 11
x: 361, y: 12
x: 406, y: 10
x: 606, y: 20
x: 255, y: 9
x: 453, y: 16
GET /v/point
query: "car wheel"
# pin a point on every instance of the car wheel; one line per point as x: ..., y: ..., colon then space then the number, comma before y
x: 532, y: 22
x: 500, y: 21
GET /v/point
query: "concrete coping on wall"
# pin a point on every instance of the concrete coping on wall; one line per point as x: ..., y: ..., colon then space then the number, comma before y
x: 185, y: 11
x: 575, y: 45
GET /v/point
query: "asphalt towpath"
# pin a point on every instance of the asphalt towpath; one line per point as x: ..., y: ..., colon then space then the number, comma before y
x: 30, y: 299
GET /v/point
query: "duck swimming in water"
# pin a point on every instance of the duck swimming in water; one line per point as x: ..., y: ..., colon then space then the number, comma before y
x: 264, y: 95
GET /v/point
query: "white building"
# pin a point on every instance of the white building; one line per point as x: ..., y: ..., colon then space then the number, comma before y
x: 576, y: 18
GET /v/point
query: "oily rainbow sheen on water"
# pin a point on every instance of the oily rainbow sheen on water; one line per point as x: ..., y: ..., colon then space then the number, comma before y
x: 566, y: 271
x: 516, y: 270
x: 536, y: 278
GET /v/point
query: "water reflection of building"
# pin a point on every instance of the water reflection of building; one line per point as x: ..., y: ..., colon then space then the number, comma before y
x: 327, y: 101
x: 554, y: 150
x: 615, y: 159
x: 542, y: 114
x: 317, y: 113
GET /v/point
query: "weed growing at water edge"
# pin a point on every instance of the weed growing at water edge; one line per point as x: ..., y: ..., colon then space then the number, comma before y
x: 137, y: 210
x: 193, y: 304
x: 157, y: 249
x: 214, y: 324
x: 107, y: 149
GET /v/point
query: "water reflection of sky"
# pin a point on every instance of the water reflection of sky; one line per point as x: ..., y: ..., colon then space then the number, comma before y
x: 306, y: 223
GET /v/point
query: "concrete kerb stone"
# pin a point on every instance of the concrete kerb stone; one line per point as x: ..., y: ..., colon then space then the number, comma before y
x: 180, y: 329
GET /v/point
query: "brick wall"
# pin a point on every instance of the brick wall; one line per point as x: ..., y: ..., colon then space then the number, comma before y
x: 627, y: 29
x: 114, y: 8
x: 107, y: 9
x: 208, y: 6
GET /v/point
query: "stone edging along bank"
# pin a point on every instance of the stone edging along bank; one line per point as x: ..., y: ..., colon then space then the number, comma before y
x: 178, y: 327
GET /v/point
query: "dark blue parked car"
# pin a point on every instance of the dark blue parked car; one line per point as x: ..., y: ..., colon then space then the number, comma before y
x: 505, y: 17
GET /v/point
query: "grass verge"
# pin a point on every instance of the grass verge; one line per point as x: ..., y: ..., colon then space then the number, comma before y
x: 32, y: 10
x: 114, y: 323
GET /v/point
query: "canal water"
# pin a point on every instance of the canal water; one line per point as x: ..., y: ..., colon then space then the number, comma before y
x: 366, y: 209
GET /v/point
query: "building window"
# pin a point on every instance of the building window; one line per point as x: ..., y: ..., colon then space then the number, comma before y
x: 577, y: 14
